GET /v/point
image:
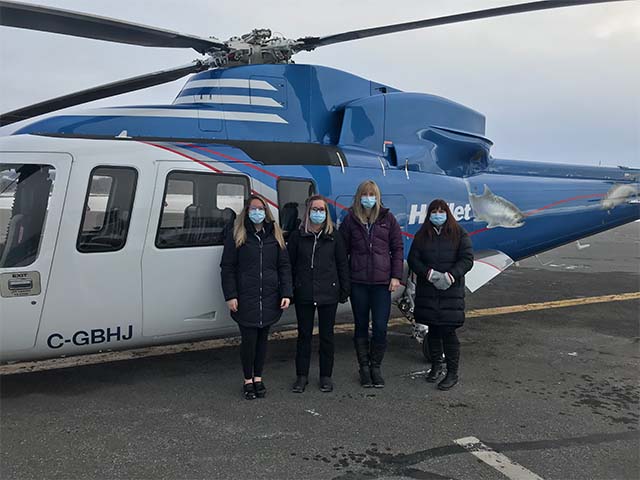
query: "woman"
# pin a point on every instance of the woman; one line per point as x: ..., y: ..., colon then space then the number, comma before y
x: 440, y: 256
x: 374, y: 244
x: 256, y: 281
x: 321, y: 280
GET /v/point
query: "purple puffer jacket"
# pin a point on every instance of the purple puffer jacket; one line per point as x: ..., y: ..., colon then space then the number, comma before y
x: 375, y: 257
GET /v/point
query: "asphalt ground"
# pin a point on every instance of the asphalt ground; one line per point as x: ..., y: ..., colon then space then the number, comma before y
x: 557, y: 391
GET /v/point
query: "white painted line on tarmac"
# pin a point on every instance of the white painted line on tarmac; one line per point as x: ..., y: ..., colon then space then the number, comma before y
x: 496, y: 460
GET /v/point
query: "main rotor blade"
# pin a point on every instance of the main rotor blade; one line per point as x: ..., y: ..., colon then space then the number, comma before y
x: 310, y: 43
x: 56, y: 20
x: 102, y: 91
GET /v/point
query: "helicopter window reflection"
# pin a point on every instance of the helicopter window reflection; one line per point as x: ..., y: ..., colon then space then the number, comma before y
x: 198, y: 208
x: 107, y: 209
x: 25, y: 190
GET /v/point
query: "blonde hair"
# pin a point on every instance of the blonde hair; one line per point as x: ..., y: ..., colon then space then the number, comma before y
x: 240, y: 231
x: 327, y: 226
x: 359, y: 210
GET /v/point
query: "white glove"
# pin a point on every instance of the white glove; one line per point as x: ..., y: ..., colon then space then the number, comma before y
x: 444, y: 281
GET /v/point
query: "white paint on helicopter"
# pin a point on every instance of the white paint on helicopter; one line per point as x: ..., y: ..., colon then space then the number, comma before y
x: 228, y: 100
x: 231, y: 83
x: 619, y: 194
x: 183, y: 113
x: 418, y: 213
x: 497, y: 211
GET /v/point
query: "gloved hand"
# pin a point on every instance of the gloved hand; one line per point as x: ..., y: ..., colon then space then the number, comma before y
x: 444, y: 281
x: 433, y: 275
x: 343, y: 298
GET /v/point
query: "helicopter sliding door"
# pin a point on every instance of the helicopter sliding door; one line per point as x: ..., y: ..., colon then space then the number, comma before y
x: 32, y: 192
x: 192, y: 210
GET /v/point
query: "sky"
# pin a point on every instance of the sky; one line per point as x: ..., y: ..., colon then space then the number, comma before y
x: 559, y: 86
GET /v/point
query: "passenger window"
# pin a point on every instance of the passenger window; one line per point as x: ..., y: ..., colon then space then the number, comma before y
x: 107, y: 209
x: 25, y: 190
x: 178, y: 197
x: 199, y: 208
x: 292, y: 194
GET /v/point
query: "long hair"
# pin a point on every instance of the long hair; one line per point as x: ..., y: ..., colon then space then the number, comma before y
x: 240, y: 231
x: 450, y: 228
x: 359, y: 210
x: 327, y: 226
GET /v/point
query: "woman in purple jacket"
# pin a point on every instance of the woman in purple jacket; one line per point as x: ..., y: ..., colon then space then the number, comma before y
x: 374, y: 245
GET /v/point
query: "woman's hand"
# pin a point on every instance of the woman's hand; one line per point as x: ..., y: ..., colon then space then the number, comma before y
x: 233, y: 304
x: 394, y: 284
x: 284, y: 303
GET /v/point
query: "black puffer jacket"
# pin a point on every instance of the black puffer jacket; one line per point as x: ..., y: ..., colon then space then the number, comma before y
x: 320, y: 267
x: 433, y: 306
x: 258, y: 274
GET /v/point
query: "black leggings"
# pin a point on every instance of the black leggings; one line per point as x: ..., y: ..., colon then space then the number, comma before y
x: 441, y: 339
x: 253, y: 350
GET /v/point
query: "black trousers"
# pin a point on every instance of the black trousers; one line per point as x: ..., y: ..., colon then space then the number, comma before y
x: 253, y: 350
x: 443, y: 340
x: 326, y: 321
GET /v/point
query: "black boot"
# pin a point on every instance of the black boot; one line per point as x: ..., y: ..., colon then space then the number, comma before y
x: 300, y: 384
x: 452, y: 357
x: 377, y: 354
x: 362, y: 351
x: 435, y: 353
x: 437, y: 370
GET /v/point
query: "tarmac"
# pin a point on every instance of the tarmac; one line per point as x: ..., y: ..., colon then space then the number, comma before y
x: 549, y: 391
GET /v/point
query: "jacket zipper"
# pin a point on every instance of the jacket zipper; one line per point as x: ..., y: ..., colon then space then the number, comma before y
x: 313, y: 252
x: 313, y: 256
x: 260, y: 243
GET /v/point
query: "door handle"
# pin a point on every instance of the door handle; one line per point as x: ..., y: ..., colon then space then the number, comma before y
x: 21, y: 284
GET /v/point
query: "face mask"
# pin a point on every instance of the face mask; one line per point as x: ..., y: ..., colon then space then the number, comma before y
x: 318, y: 217
x: 368, y: 201
x: 257, y: 215
x: 438, y: 219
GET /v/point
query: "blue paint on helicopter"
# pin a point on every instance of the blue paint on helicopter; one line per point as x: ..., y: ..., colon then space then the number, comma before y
x: 416, y: 146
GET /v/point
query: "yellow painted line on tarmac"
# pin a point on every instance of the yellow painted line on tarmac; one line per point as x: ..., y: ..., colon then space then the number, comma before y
x: 155, y: 351
x: 531, y: 307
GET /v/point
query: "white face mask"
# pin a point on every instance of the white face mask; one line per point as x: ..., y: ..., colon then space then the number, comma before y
x: 368, y: 201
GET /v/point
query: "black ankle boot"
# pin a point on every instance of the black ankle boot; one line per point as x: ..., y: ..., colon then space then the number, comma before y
x: 300, y: 384
x: 362, y: 352
x: 437, y: 370
x: 260, y: 388
x: 449, y: 381
x: 377, y: 354
x: 248, y: 392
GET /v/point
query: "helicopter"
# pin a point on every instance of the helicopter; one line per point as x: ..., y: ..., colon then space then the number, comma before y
x: 112, y: 219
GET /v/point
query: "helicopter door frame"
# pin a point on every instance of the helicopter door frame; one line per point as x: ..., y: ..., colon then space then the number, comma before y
x: 182, y: 293
x: 24, y: 281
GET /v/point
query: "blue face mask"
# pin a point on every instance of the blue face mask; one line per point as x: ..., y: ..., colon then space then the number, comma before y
x: 438, y: 219
x: 256, y: 215
x: 368, y: 201
x: 317, y: 217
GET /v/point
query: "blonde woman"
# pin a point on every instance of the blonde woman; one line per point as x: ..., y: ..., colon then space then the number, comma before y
x: 374, y: 245
x: 321, y: 280
x: 256, y: 281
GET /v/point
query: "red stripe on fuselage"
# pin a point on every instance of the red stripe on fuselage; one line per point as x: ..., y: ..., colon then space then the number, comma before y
x: 206, y: 165
x: 229, y: 157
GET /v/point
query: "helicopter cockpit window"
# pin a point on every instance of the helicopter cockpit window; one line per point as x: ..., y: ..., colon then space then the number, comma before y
x: 292, y: 194
x: 107, y: 209
x: 25, y: 190
x: 199, y: 208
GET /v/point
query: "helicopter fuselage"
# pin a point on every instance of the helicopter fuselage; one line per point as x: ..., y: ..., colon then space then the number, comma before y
x: 114, y: 218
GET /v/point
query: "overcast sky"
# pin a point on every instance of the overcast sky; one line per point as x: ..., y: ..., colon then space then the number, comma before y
x: 558, y: 86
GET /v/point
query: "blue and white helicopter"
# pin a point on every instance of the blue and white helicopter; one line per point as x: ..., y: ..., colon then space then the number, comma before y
x: 112, y: 219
